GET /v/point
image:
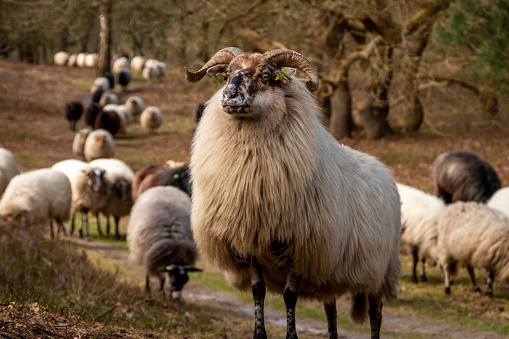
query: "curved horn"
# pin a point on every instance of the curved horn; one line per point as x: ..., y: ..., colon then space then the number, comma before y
x: 223, y: 56
x: 289, y: 58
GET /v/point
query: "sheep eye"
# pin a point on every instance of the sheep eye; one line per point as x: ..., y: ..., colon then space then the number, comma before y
x: 266, y: 76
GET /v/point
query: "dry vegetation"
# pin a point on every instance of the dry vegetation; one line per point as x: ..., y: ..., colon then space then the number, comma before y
x: 33, y: 128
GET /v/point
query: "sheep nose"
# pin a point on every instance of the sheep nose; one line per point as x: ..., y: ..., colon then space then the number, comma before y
x: 230, y: 92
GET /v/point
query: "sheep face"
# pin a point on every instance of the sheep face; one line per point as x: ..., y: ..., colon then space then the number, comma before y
x: 248, y: 78
x: 96, y: 179
x: 123, y: 189
x: 178, y: 278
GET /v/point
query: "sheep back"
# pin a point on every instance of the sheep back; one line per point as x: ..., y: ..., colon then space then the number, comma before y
x: 78, y: 144
x: 99, y: 144
x: 282, y: 190
x: 43, y: 194
x: 140, y: 176
x: 165, y: 177
x: 474, y: 234
x: 500, y: 200
x: 8, y: 168
x: 158, y: 232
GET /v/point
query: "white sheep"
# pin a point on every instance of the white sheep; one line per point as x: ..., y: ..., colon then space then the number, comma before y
x: 137, y: 63
x: 159, y: 236
x: 60, y: 58
x: 8, y: 168
x: 136, y: 105
x: 420, y: 212
x: 279, y: 204
x: 120, y: 177
x: 127, y: 113
x: 476, y: 236
x: 39, y: 196
x: 500, y: 200
x: 78, y: 144
x: 100, y: 83
x: 71, y: 62
x: 80, y: 59
x: 108, y: 98
x: 91, y: 60
x: 90, y: 190
x: 99, y: 144
x: 120, y: 64
x: 151, y: 118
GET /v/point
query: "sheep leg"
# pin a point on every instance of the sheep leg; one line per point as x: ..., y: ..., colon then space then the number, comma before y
x: 99, y: 231
x: 423, y: 276
x: 258, y: 288
x: 161, y: 287
x: 87, y: 230
x: 290, y: 298
x: 471, y: 272
x: 147, y: 283
x: 332, y: 315
x: 447, y: 281
x: 415, y: 258
x: 117, y: 234
x: 51, y: 229
x: 73, y: 216
x: 108, y: 225
x: 375, y: 315
x: 491, y: 279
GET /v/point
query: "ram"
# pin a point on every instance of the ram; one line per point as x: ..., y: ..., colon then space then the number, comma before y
x: 279, y: 204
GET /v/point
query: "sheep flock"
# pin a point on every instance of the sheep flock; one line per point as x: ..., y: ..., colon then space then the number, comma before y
x: 267, y: 195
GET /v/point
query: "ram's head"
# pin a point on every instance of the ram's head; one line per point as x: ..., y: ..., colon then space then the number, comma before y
x: 249, y: 74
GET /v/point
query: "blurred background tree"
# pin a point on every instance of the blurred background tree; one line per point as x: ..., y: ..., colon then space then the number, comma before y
x: 374, y: 57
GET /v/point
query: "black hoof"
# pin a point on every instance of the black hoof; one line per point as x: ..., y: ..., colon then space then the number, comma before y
x: 448, y: 290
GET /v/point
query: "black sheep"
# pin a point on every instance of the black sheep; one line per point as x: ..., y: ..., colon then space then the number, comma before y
x: 91, y: 112
x: 73, y: 112
x: 123, y: 78
x: 108, y: 120
x: 111, y: 79
x: 464, y: 176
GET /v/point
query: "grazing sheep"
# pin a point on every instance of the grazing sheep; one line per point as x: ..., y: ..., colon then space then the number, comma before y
x: 176, y: 176
x: 141, y: 175
x: 40, y: 196
x: 101, y: 82
x: 91, y: 112
x: 80, y: 60
x: 464, y: 176
x: 159, y: 236
x: 420, y: 212
x: 8, y: 168
x: 73, y: 112
x: 500, y: 201
x: 136, y: 105
x: 108, y: 98
x: 78, y: 144
x: 99, y: 144
x: 91, y: 60
x: 60, y: 58
x: 137, y: 64
x: 109, y: 121
x: 473, y: 235
x: 279, y: 204
x: 124, y: 77
x: 71, y: 62
x: 120, y: 64
x: 151, y: 118
x: 120, y: 201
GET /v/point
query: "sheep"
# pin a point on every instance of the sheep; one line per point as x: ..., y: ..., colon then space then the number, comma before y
x: 123, y: 78
x: 150, y: 73
x: 138, y: 63
x: 71, y: 62
x: 159, y: 237
x: 80, y: 59
x: 97, y: 95
x: 279, y: 204
x: 108, y: 98
x: 8, y: 168
x: 119, y: 204
x: 474, y: 235
x: 151, y: 118
x: 60, y: 58
x: 101, y: 82
x: 99, y: 144
x: 91, y: 60
x: 78, y: 144
x: 127, y: 113
x: 91, y: 112
x: 500, y: 201
x: 40, y: 196
x: 464, y: 176
x: 122, y: 119
x: 136, y: 105
x: 140, y: 176
x: 73, y: 112
x: 420, y: 212
x: 176, y: 176
x: 109, y: 121
x: 120, y: 64
x: 111, y: 79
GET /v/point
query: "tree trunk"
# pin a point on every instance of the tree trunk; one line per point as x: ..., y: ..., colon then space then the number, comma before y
x: 103, y: 64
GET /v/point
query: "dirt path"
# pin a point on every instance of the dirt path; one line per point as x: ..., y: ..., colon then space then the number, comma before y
x: 401, y: 325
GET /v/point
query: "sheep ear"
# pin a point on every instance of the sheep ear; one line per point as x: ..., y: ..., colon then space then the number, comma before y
x: 170, y: 268
x: 86, y: 172
x: 218, y: 72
